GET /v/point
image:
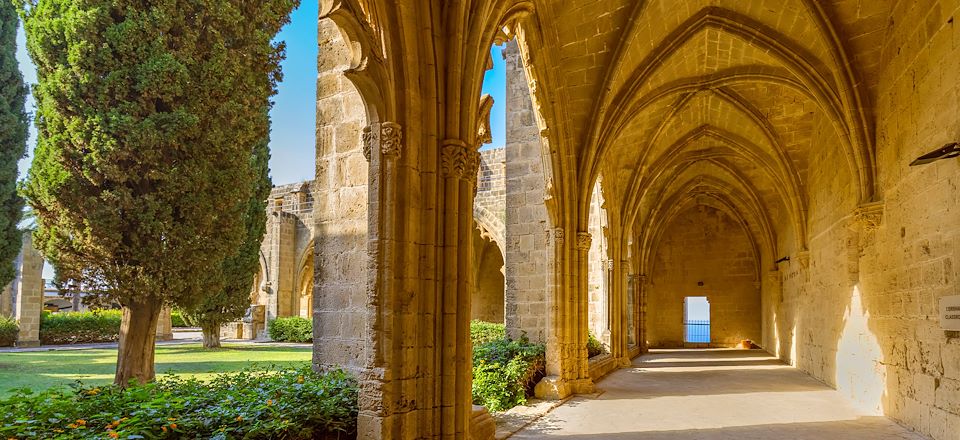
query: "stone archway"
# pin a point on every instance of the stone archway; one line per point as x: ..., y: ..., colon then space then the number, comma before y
x: 488, y: 299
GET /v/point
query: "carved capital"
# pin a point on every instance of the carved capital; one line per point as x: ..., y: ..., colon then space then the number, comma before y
x: 453, y: 158
x: 391, y: 139
x: 869, y: 216
x: 472, y: 168
x: 385, y: 136
x: 556, y: 236
x: 371, y: 138
x: 583, y: 241
x: 803, y: 257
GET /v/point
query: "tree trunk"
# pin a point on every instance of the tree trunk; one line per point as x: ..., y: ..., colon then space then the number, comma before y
x: 211, y: 336
x: 138, y: 332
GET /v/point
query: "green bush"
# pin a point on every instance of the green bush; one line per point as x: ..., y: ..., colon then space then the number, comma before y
x: 8, y: 331
x: 179, y: 319
x: 291, y: 404
x: 482, y: 332
x: 291, y: 329
x: 594, y: 346
x: 505, y: 371
x: 80, y: 327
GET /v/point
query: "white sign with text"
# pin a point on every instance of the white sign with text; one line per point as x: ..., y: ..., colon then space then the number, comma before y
x: 950, y: 312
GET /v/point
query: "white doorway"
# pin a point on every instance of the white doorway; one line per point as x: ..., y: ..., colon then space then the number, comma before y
x: 696, y: 320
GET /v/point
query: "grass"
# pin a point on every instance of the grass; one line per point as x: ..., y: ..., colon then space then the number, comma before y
x: 46, y: 369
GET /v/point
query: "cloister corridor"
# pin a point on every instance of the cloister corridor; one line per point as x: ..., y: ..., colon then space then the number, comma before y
x: 711, y: 394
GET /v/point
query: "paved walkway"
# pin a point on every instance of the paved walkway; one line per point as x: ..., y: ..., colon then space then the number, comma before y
x: 711, y: 394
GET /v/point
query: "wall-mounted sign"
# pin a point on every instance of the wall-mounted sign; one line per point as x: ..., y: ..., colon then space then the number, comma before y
x: 950, y: 312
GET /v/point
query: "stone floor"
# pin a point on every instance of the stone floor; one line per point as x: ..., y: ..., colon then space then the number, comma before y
x: 712, y: 394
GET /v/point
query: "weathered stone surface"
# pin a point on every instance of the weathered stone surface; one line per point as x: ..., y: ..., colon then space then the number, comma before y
x: 797, y: 122
x: 29, y: 298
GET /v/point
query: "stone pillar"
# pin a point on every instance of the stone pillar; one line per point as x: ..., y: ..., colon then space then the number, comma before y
x: 164, y: 325
x: 526, y: 222
x: 459, y: 169
x: 618, y: 308
x: 344, y: 213
x: 632, y: 308
x: 581, y: 306
x: 6, y: 301
x: 29, y: 301
x: 642, y: 286
x: 282, y: 234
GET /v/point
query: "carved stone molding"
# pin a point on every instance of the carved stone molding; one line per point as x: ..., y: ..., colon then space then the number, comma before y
x: 472, y: 168
x: 453, y: 158
x: 484, y: 132
x: 583, y: 240
x: 556, y: 236
x: 803, y: 257
x: 371, y: 137
x: 389, y: 137
x: 869, y: 216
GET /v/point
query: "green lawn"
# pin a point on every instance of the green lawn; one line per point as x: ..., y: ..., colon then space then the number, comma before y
x: 45, y: 369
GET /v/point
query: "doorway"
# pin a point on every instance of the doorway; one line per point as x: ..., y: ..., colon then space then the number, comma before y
x: 696, y: 320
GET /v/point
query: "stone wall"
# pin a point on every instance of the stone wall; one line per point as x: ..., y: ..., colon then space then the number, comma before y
x: 490, y: 203
x: 340, y: 210
x: 526, y: 215
x: 284, y: 284
x: 487, y: 302
x: 704, y: 245
x: 861, y: 313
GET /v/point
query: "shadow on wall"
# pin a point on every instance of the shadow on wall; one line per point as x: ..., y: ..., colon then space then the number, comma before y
x: 860, y: 374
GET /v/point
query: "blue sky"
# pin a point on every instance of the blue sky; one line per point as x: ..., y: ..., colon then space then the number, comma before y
x: 495, y: 84
x: 292, y: 139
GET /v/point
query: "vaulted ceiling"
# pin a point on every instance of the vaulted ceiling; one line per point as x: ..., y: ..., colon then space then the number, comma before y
x: 720, y: 102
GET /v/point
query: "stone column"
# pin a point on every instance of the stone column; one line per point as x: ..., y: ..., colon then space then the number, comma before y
x: 642, y: 285
x: 632, y: 307
x: 458, y: 166
x: 618, y: 309
x: 527, y: 259
x: 282, y: 233
x: 164, y: 325
x: 6, y: 301
x: 582, y: 324
x: 389, y: 349
x: 29, y: 302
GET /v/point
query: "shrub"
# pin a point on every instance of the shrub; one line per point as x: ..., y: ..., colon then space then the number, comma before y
x: 291, y: 404
x: 505, y: 371
x: 80, y: 327
x: 482, y: 332
x: 180, y: 319
x: 291, y: 329
x: 8, y: 331
x: 594, y: 346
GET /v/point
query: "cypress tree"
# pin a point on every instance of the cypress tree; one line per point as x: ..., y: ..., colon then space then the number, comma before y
x: 231, y: 302
x: 148, y: 113
x: 13, y: 138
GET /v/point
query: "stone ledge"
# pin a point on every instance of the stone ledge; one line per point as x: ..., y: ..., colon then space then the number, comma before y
x: 602, y: 365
